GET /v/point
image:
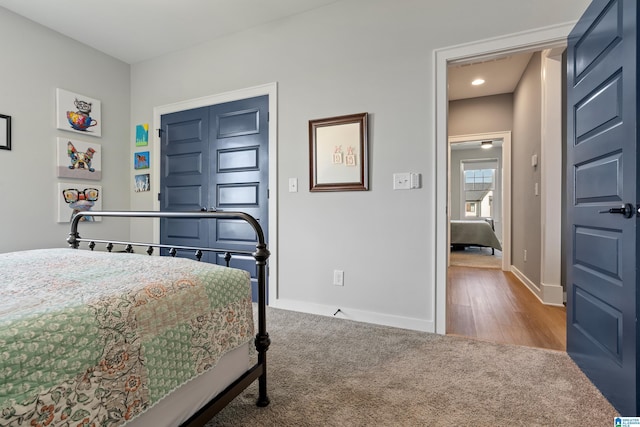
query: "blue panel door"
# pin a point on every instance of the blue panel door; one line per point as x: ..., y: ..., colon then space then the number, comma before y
x: 216, y: 158
x: 602, y: 297
x: 184, y: 179
x: 239, y: 171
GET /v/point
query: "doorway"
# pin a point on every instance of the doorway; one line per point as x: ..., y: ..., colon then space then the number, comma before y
x: 549, y: 38
x: 501, y: 216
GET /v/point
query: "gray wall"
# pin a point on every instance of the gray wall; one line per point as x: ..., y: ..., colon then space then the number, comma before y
x: 348, y: 57
x: 526, y: 207
x: 481, y: 115
x: 36, y: 61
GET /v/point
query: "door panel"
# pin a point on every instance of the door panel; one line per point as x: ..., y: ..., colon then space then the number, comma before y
x: 184, y: 177
x: 239, y: 161
x: 601, y: 174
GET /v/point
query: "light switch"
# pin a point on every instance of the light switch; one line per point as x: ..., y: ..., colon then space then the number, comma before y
x: 293, y: 185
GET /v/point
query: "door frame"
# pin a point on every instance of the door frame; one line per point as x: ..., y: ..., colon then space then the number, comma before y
x: 533, y: 40
x: 270, y: 89
x: 505, y: 188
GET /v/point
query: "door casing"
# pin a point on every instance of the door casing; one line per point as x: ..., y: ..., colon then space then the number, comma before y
x: 270, y: 89
x: 505, y: 188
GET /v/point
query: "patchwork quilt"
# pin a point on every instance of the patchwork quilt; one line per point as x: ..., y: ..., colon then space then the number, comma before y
x: 94, y: 339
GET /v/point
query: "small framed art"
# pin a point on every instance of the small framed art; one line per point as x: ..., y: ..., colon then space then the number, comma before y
x: 338, y: 158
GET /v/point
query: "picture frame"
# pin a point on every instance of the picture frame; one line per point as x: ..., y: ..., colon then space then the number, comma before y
x: 79, y: 159
x: 78, y: 113
x: 141, y: 160
x: 338, y: 153
x: 5, y: 132
x: 76, y: 197
x: 142, y: 183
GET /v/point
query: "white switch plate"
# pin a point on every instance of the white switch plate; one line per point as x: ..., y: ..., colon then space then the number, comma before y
x: 338, y: 277
x: 293, y: 185
x: 402, y: 181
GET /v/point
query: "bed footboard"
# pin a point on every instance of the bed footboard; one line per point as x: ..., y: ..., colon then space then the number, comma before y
x: 261, y: 255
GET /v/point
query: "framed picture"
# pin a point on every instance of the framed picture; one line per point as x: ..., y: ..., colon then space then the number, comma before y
x: 79, y: 159
x: 78, y: 113
x: 143, y: 183
x: 338, y: 159
x: 5, y: 132
x: 141, y: 160
x: 77, y: 197
x: 142, y: 135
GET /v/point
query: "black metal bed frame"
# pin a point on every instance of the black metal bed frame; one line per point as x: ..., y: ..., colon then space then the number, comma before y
x: 261, y: 254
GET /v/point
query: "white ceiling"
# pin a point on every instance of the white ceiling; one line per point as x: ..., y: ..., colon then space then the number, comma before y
x: 137, y: 30
x: 501, y: 75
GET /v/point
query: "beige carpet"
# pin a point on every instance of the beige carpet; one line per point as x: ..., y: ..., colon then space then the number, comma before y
x: 476, y: 257
x: 327, y: 371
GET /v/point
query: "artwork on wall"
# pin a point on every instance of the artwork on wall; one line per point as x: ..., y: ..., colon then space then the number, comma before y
x: 76, y: 197
x: 5, y: 132
x: 338, y: 153
x: 143, y: 183
x: 78, y: 113
x: 142, y: 135
x: 79, y: 159
x: 141, y: 160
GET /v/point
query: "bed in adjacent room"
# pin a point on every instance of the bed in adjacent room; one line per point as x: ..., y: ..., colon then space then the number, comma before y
x: 466, y: 233
x: 97, y: 338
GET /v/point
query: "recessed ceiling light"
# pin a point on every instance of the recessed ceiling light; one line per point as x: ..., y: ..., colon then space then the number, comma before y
x: 477, y: 82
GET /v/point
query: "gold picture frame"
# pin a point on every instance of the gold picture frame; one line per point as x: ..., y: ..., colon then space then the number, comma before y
x: 338, y: 153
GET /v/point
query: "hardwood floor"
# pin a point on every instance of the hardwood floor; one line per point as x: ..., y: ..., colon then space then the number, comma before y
x: 493, y: 305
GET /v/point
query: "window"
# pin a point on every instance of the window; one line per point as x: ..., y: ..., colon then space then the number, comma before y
x: 479, y: 183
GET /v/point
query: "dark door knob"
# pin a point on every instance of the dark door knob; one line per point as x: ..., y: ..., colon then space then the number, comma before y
x: 627, y: 210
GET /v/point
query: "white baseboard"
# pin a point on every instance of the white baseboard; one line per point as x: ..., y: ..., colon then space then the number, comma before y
x: 355, y: 314
x: 552, y: 294
x: 546, y: 293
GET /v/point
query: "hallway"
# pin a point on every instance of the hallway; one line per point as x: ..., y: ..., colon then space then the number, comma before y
x: 492, y: 305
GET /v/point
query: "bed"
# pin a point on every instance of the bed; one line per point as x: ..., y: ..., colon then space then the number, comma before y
x: 117, y: 337
x: 466, y: 233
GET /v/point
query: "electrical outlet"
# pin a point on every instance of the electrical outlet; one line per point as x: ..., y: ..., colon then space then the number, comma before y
x: 525, y: 255
x: 338, y: 277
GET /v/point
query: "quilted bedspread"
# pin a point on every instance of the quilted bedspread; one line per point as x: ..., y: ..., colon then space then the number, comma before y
x: 93, y: 338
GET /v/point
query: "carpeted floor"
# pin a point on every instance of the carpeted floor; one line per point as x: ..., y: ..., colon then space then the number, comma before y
x: 327, y: 371
x: 476, y: 257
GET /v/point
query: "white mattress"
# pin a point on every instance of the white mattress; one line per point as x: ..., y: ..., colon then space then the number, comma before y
x: 178, y: 406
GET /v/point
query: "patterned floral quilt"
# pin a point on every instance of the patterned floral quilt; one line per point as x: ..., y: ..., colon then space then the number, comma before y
x: 93, y: 338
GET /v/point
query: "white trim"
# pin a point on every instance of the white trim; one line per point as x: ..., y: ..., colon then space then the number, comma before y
x: 505, y: 187
x: 355, y: 315
x: 270, y: 89
x: 538, y: 39
x: 551, y: 176
x: 552, y: 293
